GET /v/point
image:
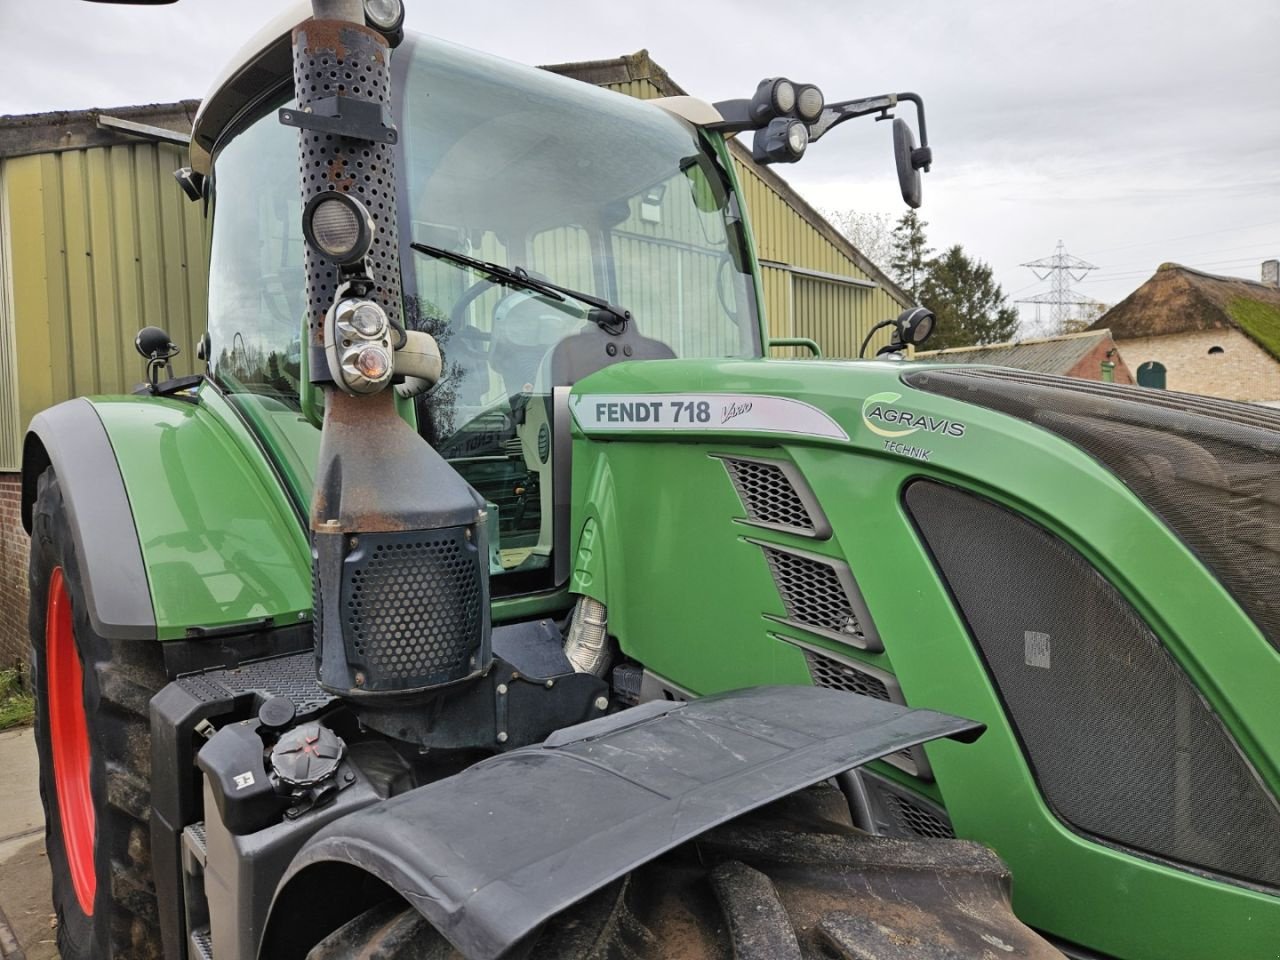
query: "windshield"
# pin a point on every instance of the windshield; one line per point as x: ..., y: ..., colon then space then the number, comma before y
x: 585, y: 189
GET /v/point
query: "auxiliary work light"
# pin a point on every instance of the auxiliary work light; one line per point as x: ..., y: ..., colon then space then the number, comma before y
x: 387, y: 17
x: 338, y: 226
x: 782, y: 141
x: 774, y: 97
x: 809, y: 103
x: 915, y: 326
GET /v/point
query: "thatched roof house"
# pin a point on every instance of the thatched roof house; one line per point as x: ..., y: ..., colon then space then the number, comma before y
x: 1090, y: 355
x: 1213, y: 335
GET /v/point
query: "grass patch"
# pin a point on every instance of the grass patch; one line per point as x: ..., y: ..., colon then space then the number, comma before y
x: 17, y: 705
x: 1259, y: 320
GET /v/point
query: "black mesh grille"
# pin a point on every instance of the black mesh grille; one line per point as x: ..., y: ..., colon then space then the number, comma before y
x: 1120, y: 741
x: 1209, y: 468
x: 812, y: 593
x: 413, y: 607
x: 827, y: 672
x: 351, y: 65
x: 768, y: 494
x: 915, y: 819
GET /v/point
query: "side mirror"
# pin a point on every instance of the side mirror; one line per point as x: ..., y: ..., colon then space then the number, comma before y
x: 906, y: 154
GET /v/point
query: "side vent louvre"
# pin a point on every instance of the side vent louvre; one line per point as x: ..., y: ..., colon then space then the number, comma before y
x: 819, y: 594
x: 828, y: 669
x: 776, y: 496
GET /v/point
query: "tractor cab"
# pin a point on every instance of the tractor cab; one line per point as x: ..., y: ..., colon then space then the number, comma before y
x: 618, y: 200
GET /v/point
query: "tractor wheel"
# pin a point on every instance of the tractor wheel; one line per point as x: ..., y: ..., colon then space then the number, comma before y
x: 93, y: 738
x: 794, y: 881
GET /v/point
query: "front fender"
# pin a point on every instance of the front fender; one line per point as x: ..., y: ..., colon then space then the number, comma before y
x: 183, y: 526
x: 490, y: 853
x: 71, y: 438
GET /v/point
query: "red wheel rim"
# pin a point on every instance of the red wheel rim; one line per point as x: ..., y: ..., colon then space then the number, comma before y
x: 69, y: 739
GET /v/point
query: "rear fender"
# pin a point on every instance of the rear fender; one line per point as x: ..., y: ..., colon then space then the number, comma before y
x: 490, y: 853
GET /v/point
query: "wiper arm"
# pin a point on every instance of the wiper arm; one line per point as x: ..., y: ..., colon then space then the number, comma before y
x: 518, y: 277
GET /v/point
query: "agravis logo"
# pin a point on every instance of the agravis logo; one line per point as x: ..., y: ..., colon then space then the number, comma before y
x: 882, y: 418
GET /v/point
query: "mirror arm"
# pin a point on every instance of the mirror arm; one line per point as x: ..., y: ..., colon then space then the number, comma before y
x: 837, y: 113
x: 922, y: 156
x: 735, y: 117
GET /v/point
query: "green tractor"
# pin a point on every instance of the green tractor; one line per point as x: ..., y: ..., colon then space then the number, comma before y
x: 494, y: 594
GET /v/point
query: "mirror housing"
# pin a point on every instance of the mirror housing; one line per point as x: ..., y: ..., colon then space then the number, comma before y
x: 904, y: 153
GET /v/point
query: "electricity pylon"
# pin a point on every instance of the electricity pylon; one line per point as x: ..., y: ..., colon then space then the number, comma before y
x: 1060, y: 270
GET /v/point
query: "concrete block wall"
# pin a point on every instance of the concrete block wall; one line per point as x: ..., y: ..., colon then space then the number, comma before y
x: 14, y: 547
x: 1242, y: 371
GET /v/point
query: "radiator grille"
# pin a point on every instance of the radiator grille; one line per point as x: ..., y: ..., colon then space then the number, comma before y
x: 771, y: 497
x: 1121, y: 743
x: 1209, y: 468
x: 413, y: 607
x: 814, y: 596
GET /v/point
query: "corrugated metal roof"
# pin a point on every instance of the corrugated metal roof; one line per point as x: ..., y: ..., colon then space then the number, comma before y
x: 1046, y: 355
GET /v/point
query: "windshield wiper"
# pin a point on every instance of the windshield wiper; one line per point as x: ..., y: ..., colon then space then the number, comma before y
x: 518, y: 277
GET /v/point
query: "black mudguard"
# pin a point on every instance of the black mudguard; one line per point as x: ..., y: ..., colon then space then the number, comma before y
x: 489, y: 854
x: 70, y: 437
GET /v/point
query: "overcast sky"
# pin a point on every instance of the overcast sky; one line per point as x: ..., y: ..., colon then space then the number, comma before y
x: 1134, y: 132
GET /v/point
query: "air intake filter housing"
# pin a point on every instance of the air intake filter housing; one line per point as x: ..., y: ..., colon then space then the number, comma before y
x: 411, y: 608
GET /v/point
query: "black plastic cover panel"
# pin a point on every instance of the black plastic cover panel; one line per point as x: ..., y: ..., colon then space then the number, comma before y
x: 492, y: 852
x: 1209, y: 468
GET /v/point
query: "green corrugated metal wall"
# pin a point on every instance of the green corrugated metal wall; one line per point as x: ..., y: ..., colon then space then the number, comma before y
x: 837, y: 315
x: 10, y: 417
x: 100, y: 243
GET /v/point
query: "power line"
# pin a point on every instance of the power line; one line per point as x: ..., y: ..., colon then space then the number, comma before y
x: 1189, y: 236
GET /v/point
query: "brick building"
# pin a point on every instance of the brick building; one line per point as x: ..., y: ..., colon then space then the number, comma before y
x: 1091, y: 355
x: 1212, y: 335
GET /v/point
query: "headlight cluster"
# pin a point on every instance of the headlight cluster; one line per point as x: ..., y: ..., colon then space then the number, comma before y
x: 359, y: 345
x: 782, y: 111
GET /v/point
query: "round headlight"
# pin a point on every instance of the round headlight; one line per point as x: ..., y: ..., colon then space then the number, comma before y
x: 384, y: 15
x: 373, y: 363
x: 338, y: 226
x: 784, y: 96
x: 797, y: 137
x: 364, y: 318
x: 923, y: 329
x: 809, y: 103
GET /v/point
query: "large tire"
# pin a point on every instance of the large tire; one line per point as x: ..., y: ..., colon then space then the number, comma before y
x: 93, y: 737
x: 793, y: 882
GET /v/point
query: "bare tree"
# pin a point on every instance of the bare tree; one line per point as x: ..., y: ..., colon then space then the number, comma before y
x: 871, y: 233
